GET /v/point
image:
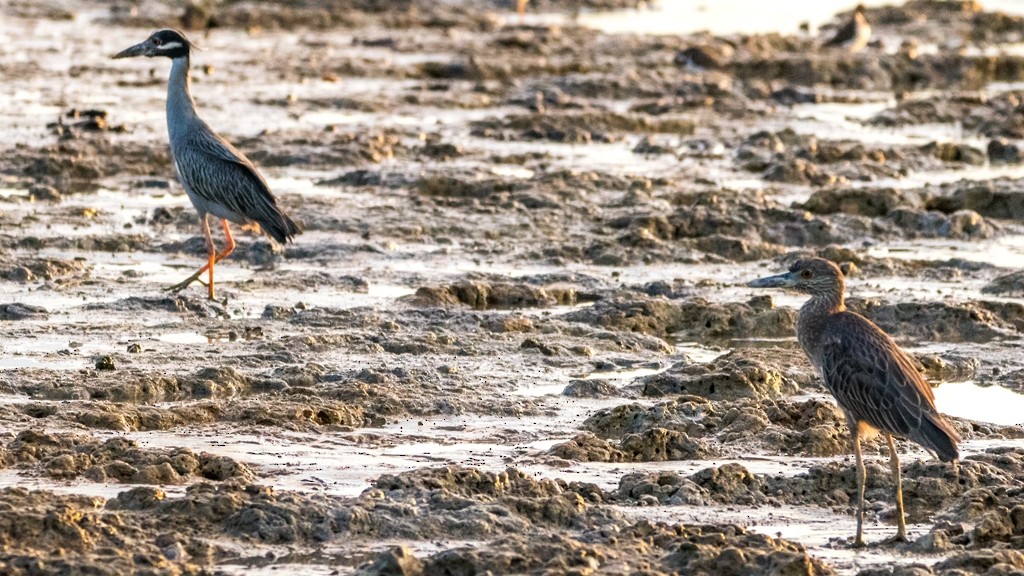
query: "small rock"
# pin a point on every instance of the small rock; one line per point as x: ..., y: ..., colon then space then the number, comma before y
x: 105, y: 362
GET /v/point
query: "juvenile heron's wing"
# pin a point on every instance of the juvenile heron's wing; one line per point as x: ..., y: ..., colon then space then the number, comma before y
x: 875, y: 381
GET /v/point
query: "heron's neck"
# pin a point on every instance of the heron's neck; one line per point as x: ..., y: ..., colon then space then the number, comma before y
x: 812, y: 321
x: 180, y: 106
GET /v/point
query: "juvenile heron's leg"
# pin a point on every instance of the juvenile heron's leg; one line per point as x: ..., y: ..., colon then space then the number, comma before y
x: 521, y: 7
x: 212, y: 258
x: 858, y: 542
x: 894, y: 463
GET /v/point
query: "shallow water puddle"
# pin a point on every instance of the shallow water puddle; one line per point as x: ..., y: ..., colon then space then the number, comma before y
x: 993, y: 404
x: 1005, y: 251
x: 10, y: 478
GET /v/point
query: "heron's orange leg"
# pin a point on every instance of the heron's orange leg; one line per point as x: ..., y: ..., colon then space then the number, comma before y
x: 894, y: 463
x: 212, y: 258
x: 521, y: 7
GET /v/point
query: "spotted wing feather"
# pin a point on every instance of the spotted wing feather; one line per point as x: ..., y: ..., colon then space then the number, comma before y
x: 876, y: 382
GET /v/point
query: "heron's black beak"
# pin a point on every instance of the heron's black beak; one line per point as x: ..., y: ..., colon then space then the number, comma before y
x: 137, y: 50
x: 786, y: 280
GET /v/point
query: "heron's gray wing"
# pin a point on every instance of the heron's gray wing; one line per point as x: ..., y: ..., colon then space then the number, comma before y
x: 875, y: 381
x: 212, y: 169
x: 219, y: 173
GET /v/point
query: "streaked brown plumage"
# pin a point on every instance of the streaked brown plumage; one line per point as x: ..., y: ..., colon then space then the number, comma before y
x: 854, y: 35
x: 873, y: 380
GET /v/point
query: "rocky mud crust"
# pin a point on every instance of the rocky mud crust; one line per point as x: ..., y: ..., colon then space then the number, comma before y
x: 514, y: 337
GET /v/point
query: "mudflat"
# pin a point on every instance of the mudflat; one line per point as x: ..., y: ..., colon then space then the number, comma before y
x: 514, y: 337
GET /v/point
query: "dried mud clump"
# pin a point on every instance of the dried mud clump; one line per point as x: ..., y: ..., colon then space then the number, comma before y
x: 654, y: 549
x: 576, y: 128
x: 943, y: 322
x: 120, y: 460
x: 79, y: 165
x: 977, y: 506
x: 738, y: 374
x: 813, y: 428
x: 1000, y: 199
x: 482, y: 295
x: 46, y: 533
x: 1009, y: 285
x: 696, y: 318
x: 651, y: 445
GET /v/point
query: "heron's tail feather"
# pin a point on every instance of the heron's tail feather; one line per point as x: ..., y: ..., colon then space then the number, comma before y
x: 939, y: 436
x: 281, y: 227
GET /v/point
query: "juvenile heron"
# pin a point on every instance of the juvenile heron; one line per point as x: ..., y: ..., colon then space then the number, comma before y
x: 219, y: 180
x: 854, y: 36
x: 874, y: 382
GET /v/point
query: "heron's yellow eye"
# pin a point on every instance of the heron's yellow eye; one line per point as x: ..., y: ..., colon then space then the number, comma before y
x: 805, y: 274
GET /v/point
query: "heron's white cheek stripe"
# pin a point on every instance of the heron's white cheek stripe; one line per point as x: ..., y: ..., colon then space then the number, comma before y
x: 170, y: 46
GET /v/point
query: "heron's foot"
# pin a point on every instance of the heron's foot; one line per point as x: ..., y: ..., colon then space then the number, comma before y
x: 858, y: 542
x: 899, y: 538
x: 187, y: 282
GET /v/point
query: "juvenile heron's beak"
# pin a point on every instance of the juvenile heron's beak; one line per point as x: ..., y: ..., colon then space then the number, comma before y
x: 778, y: 281
x: 137, y: 50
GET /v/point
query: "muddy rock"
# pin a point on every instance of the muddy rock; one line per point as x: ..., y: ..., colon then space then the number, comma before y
x: 949, y: 367
x: 398, y: 561
x: 657, y: 549
x: 954, y: 322
x: 31, y: 269
x: 694, y: 318
x: 45, y: 532
x: 588, y: 448
x: 735, y: 375
x: 756, y: 553
x: 678, y: 414
x: 730, y: 483
x: 1001, y: 199
x: 1009, y: 285
x: 578, y: 128
x: 482, y: 295
x: 983, y: 562
x: 119, y: 460
x: 862, y: 201
x: 651, y: 445
x: 18, y: 311
x: 951, y: 152
x: 1002, y: 151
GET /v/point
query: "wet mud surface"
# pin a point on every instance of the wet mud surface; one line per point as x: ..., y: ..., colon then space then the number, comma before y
x: 515, y: 335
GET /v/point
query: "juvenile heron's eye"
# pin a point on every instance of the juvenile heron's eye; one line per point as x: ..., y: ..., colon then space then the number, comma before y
x: 805, y: 274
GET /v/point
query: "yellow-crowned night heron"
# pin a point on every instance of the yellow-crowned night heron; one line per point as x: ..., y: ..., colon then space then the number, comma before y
x: 854, y: 36
x: 874, y: 382
x: 219, y: 180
